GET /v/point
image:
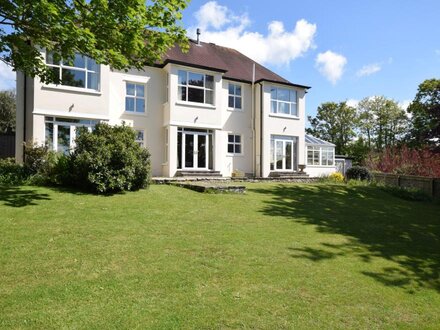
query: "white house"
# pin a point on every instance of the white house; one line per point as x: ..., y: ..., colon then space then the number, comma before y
x: 211, y: 110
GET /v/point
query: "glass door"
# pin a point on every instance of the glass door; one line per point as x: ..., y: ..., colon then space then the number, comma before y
x: 283, y: 153
x: 195, y: 151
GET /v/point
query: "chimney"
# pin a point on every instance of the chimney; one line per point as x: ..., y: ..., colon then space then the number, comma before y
x: 198, y: 36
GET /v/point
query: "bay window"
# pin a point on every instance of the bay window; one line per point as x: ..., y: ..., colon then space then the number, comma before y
x: 195, y: 87
x: 283, y: 101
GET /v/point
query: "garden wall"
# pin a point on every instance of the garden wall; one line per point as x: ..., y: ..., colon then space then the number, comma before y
x: 430, y: 186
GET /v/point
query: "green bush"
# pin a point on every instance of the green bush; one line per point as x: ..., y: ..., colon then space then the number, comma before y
x: 109, y: 160
x: 11, y: 173
x: 358, y: 173
x: 36, y: 157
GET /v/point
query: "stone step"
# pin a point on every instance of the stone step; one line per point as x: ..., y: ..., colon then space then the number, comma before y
x: 287, y: 174
x: 198, y: 174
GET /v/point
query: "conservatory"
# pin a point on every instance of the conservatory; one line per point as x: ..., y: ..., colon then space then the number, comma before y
x: 320, y: 157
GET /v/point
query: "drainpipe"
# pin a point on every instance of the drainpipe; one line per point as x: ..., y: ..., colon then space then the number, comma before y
x: 261, y: 129
x: 254, y: 143
x: 24, y: 113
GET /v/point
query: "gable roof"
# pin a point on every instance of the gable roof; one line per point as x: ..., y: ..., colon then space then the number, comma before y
x: 233, y: 64
x: 315, y: 141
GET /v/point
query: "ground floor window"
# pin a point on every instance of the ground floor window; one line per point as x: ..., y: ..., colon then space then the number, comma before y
x: 320, y: 156
x: 140, y: 137
x: 234, y: 144
x: 195, y: 149
x: 60, y: 133
x: 283, y: 153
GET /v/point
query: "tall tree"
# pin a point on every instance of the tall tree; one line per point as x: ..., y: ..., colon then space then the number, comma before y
x: 120, y: 33
x: 335, y: 123
x: 425, y: 111
x: 7, y: 111
x: 381, y: 121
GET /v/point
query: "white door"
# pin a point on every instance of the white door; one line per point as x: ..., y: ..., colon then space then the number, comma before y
x: 195, y: 151
x: 283, y: 154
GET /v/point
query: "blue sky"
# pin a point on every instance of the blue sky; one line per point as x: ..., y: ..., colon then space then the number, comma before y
x: 345, y: 50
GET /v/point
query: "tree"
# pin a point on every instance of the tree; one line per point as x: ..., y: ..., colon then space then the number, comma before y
x: 335, y: 123
x: 7, y: 111
x: 119, y: 33
x: 381, y: 121
x: 425, y: 119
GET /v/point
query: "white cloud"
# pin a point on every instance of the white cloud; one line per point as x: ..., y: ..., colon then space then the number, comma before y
x: 331, y: 65
x: 369, y: 69
x: 352, y: 103
x: 278, y: 46
x: 7, y: 76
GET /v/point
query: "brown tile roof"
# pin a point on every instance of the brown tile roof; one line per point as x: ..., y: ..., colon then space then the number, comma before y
x: 232, y: 63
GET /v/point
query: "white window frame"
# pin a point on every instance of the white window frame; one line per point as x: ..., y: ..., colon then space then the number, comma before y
x: 330, y: 161
x: 140, y: 141
x: 56, y: 121
x: 234, y: 144
x: 293, y: 104
x: 187, y: 86
x: 235, y: 96
x: 135, y: 97
x: 61, y: 66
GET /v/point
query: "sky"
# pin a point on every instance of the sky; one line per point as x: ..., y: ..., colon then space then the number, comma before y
x: 345, y: 50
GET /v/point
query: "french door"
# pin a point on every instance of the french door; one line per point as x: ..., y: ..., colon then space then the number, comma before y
x: 193, y: 150
x: 283, y: 153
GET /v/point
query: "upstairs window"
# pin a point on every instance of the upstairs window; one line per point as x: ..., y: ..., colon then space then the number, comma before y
x: 134, y: 97
x: 283, y: 101
x: 81, y: 71
x: 195, y: 87
x: 234, y: 99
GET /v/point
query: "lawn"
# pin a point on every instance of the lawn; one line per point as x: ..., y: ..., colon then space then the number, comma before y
x: 280, y: 256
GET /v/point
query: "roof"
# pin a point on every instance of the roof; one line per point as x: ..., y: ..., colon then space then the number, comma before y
x: 314, y: 140
x: 233, y: 64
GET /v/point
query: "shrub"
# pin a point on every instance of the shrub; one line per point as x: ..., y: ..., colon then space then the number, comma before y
x: 11, y: 173
x: 109, y: 160
x: 336, y: 177
x: 358, y: 173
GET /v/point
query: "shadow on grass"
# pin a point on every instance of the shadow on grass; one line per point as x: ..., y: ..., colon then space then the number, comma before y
x: 20, y: 196
x: 375, y: 224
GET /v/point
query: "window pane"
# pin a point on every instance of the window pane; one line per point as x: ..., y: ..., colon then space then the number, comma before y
x: 238, y: 149
x: 130, y: 89
x: 273, y: 106
x: 92, y: 80
x: 237, y: 138
x: 52, y: 59
x: 231, y: 102
x: 293, y: 110
x: 63, y: 138
x: 129, y: 104
x: 230, y: 148
x: 195, y: 79
x: 272, y: 142
x: 92, y: 65
x: 182, y: 93
x: 56, y: 74
x: 209, y: 82
x: 292, y: 96
x: 283, y: 94
x: 315, y: 157
x: 284, y: 108
x: 140, y: 90
x: 182, y: 77
x: 140, y: 105
x: 196, y: 95
x: 309, y: 157
x: 231, y: 89
x: 49, y: 135
x: 230, y: 138
x: 273, y: 93
x: 238, y: 90
x: 238, y: 102
x: 209, y: 97
x: 79, y: 61
x: 73, y: 78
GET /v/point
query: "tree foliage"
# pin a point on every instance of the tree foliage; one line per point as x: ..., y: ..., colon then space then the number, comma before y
x: 7, y: 111
x: 120, y: 33
x: 335, y: 123
x: 382, y: 122
x: 425, y: 111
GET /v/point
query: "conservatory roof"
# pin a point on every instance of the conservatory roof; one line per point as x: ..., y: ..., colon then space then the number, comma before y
x: 315, y: 141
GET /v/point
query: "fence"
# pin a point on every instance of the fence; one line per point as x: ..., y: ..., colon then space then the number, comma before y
x: 430, y: 186
x: 7, y: 146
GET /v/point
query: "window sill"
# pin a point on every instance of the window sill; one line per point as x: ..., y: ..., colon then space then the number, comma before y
x: 140, y: 114
x: 71, y: 89
x: 196, y: 105
x: 234, y: 155
x: 319, y: 166
x: 277, y: 115
x: 235, y: 110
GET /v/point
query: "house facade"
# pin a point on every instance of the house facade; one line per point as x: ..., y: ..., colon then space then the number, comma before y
x: 209, y: 110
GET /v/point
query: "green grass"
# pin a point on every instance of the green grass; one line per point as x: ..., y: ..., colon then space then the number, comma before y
x: 280, y: 256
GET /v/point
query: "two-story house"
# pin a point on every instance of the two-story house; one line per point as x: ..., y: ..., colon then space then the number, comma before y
x: 211, y: 109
